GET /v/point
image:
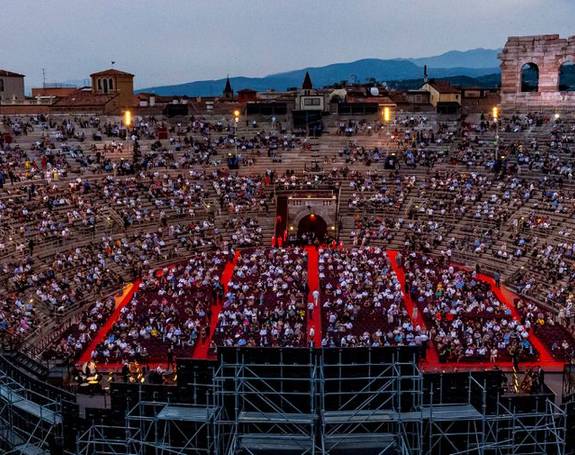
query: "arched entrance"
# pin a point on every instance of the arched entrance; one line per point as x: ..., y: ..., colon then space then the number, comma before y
x: 530, y: 77
x: 567, y: 76
x: 311, y: 228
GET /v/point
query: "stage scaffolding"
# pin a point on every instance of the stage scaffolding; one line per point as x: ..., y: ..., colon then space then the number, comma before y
x: 269, y: 400
x: 173, y: 428
x: 30, y: 423
x: 366, y: 401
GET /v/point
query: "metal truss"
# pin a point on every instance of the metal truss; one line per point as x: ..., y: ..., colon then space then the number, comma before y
x: 370, y: 405
x: 269, y: 407
x: 526, y: 433
x: 336, y: 402
x: 29, y: 422
x: 108, y: 440
x: 173, y: 429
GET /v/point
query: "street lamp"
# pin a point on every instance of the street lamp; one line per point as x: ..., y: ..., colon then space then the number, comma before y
x: 386, y: 114
x: 386, y: 119
x: 495, y: 113
x: 127, y: 119
x: 236, y: 120
x: 127, y: 123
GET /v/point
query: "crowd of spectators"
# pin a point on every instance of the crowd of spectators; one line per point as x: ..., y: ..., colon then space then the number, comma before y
x: 265, y: 303
x: 467, y: 322
x: 170, y: 311
x: 103, y: 205
x: 362, y: 303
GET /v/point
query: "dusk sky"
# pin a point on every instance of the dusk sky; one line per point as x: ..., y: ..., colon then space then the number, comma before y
x: 174, y: 41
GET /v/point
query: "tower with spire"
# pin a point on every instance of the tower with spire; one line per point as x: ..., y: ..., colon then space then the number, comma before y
x: 228, y: 91
x: 307, y: 86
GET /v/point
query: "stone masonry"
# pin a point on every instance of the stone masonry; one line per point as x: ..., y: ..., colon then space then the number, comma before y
x: 548, y: 52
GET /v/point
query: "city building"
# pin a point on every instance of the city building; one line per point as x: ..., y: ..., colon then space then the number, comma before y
x: 11, y: 87
x: 445, y: 98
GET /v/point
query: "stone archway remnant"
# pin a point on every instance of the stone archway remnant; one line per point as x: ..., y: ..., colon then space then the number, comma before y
x: 548, y: 53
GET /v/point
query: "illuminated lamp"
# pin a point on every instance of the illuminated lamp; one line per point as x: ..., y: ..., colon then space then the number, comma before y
x: 127, y: 118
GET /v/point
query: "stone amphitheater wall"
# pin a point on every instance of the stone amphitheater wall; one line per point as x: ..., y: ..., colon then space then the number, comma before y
x: 548, y: 52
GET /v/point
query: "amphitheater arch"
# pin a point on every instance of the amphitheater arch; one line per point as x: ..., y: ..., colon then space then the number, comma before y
x: 312, y: 223
x: 529, y: 77
x: 567, y: 75
x: 322, y: 211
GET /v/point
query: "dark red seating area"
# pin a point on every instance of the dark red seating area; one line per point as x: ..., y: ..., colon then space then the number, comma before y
x: 466, y: 320
x: 183, y: 309
x: 361, y: 301
x: 171, y: 309
x: 76, y: 338
x: 266, y: 300
x: 549, y: 328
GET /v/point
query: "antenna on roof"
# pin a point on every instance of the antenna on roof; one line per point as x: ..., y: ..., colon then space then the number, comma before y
x: 425, y: 77
x: 43, y: 77
x: 113, y: 62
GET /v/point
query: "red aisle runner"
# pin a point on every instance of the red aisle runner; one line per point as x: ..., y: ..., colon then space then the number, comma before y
x: 121, y: 302
x: 508, y: 297
x: 202, y: 347
x: 431, y: 356
x: 313, y: 283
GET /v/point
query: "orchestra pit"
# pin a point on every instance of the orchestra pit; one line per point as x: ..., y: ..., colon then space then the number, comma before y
x: 247, y: 279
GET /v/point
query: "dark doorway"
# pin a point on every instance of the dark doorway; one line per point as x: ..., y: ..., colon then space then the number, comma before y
x: 530, y: 77
x: 311, y: 229
x: 567, y: 77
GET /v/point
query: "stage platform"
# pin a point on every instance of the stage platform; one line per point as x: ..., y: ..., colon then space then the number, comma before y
x: 276, y: 417
x: 43, y: 413
x: 439, y: 412
x: 186, y: 413
x: 365, y: 441
x: 275, y: 442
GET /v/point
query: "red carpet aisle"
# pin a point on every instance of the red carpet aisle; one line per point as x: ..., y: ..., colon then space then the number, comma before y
x: 431, y: 355
x: 313, y: 283
x: 121, y: 302
x: 507, y: 297
x: 202, y: 347
x: 432, y: 363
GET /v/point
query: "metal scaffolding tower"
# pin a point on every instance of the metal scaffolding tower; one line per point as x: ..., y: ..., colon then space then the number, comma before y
x: 29, y: 422
x: 369, y: 405
x: 164, y: 428
x: 269, y: 404
x: 334, y: 401
x: 108, y: 440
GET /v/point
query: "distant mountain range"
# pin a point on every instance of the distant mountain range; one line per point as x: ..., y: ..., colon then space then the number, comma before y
x: 474, y: 63
x: 487, y: 81
x: 474, y: 58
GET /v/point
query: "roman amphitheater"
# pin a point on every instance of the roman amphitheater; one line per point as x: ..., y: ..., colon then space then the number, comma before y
x: 297, y: 273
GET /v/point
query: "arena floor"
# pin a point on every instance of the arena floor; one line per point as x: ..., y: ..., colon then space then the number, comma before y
x: 430, y: 363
